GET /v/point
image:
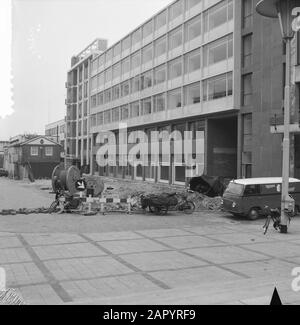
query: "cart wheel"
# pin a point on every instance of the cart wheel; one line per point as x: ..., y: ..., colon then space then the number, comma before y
x: 189, y: 207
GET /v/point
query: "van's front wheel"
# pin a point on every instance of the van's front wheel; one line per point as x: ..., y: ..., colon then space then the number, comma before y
x: 253, y: 214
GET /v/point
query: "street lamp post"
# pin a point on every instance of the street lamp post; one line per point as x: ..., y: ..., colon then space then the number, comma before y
x: 282, y: 9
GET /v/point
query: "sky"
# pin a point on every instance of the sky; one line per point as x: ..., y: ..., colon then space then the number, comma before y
x: 45, y: 34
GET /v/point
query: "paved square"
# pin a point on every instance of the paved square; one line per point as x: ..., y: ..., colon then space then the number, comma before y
x: 52, y: 239
x: 184, y: 242
x: 241, y: 238
x: 157, y: 233
x: 9, y: 242
x: 277, y: 249
x: 215, y: 229
x: 162, y: 261
x: 67, y: 251
x: 14, y: 255
x: 122, y: 235
x: 86, y: 268
x: 132, y: 246
x: 225, y: 254
x: 40, y: 295
x: 195, y: 276
x: 108, y: 287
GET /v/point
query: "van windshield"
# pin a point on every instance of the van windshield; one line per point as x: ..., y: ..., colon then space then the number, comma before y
x: 234, y: 188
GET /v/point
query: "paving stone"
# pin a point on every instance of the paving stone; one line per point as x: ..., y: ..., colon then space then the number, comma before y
x: 40, y: 295
x: 157, y: 233
x: 225, y: 254
x: 108, y: 287
x: 184, y: 242
x: 276, y: 249
x: 52, y: 239
x: 86, y: 268
x: 123, y: 235
x: 6, y: 234
x: 14, y: 255
x: 132, y: 246
x: 10, y: 241
x: 240, y: 238
x: 67, y: 251
x: 195, y: 276
x: 22, y: 274
x: 214, y: 229
x: 161, y: 261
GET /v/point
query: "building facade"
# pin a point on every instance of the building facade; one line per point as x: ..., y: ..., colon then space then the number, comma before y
x: 3, y: 144
x: 210, y: 66
x: 57, y: 131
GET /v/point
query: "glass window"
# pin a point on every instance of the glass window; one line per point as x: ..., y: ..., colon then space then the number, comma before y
x: 108, y: 75
x: 191, y: 3
x: 107, y: 96
x: 94, y: 66
x: 125, y: 88
x: 160, y: 74
x: 247, y: 89
x: 159, y: 103
x: 100, y: 98
x: 94, y: 83
x: 125, y: 65
x: 192, y: 61
x: 136, y: 36
x: 161, y: 20
x: 93, y: 120
x: 247, y: 13
x: 116, y: 92
x: 100, y: 79
x: 176, y: 10
x: 192, y: 94
x: 147, y: 54
x: 126, y: 43
x: 100, y: 118
x: 175, y: 68
x: 218, y: 15
x: 146, y: 106
x: 175, y: 38
x: 115, y: 114
x: 146, y: 80
x: 107, y: 116
x: 108, y: 55
x: 174, y: 98
x: 94, y: 101
x: 218, y: 51
x: 136, y: 60
x: 117, y: 49
x: 247, y: 50
x: 135, y: 84
x: 101, y: 60
x: 116, y: 71
x: 135, y: 109
x: 160, y: 46
x: 217, y: 87
x: 147, y: 29
x: 124, y: 112
x: 193, y: 28
x: 34, y: 151
x: 49, y: 151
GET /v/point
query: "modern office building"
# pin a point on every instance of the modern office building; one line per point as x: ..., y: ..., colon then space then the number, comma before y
x: 210, y: 66
x: 3, y: 144
x: 57, y: 131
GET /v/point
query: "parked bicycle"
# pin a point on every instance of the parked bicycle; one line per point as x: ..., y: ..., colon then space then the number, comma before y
x: 274, y: 215
x: 64, y: 202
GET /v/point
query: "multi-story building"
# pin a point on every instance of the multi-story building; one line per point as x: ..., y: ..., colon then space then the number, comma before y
x: 78, y: 104
x: 213, y: 66
x: 3, y: 144
x: 57, y: 131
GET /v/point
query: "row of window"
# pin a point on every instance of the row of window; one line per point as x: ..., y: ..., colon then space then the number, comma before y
x: 34, y: 151
x: 213, y: 17
x: 213, y: 88
x: 212, y: 53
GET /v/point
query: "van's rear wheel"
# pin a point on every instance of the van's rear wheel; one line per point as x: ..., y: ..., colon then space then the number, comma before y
x: 253, y: 214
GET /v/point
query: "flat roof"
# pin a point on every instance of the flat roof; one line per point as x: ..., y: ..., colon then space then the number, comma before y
x: 263, y: 180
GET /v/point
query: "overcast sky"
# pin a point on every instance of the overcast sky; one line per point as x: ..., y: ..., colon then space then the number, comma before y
x: 46, y: 33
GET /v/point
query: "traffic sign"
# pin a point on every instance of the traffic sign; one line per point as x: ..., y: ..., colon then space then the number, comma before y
x: 80, y: 185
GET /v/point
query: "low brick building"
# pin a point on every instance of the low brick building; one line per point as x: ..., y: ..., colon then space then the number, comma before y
x: 31, y: 156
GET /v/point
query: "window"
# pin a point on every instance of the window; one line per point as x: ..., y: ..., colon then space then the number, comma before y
x: 247, y: 50
x: 217, y: 87
x: 175, y: 38
x: 160, y: 46
x: 192, y: 3
x: 94, y: 66
x: 193, y: 28
x: 85, y: 108
x: 108, y: 55
x: 100, y: 79
x: 34, y: 151
x: 107, y: 116
x: 192, y: 94
x: 135, y: 60
x: 247, y: 13
x: 115, y: 114
x: 100, y: 60
x: 94, y: 83
x: 159, y: 103
x: 100, y: 118
x: 175, y: 68
x: 146, y: 80
x: 125, y: 65
x: 94, y: 101
x: 107, y: 96
x: 174, y: 98
x: 160, y: 74
x: 116, y: 92
x: 176, y: 10
x: 49, y: 151
x: 247, y: 89
x: 147, y: 54
x: 146, y: 106
x: 218, y: 51
x: 126, y: 43
x: 100, y: 98
x: 218, y: 15
x: 252, y: 190
x: 116, y: 71
x: 192, y: 61
x: 161, y: 20
x: 147, y: 29
x: 93, y: 120
x: 135, y: 109
x: 135, y: 84
x: 117, y: 49
x: 125, y: 88
x: 124, y: 112
x: 108, y: 75
x: 136, y: 37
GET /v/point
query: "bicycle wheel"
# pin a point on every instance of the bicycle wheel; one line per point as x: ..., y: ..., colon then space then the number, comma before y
x: 189, y: 207
x: 266, y: 225
x: 53, y: 206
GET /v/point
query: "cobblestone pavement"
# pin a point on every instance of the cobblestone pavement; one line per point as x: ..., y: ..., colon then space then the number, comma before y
x: 207, y: 258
